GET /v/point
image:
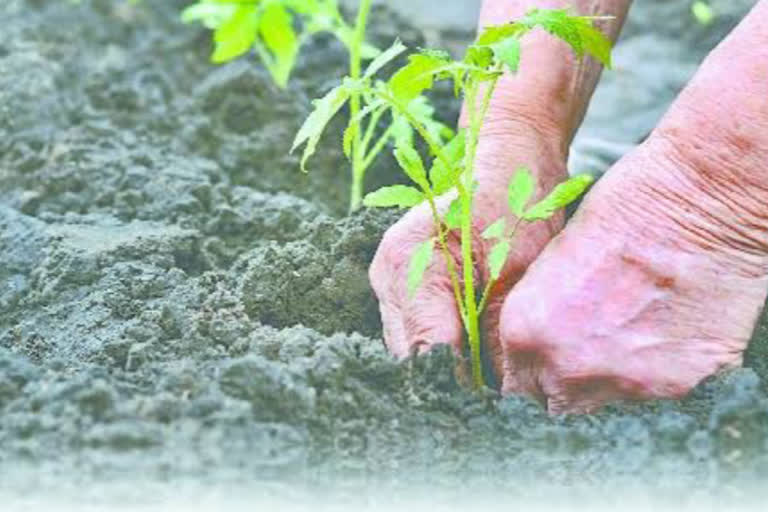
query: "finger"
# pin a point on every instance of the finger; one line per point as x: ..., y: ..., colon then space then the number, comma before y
x: 432, y: 316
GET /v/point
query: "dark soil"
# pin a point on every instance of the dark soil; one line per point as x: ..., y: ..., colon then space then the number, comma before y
x: 179, y: 304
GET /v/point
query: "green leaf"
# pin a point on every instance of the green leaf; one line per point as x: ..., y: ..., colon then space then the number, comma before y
x: 423, y: 112
x: 402, y: 132
x: 385, y: 58
x: 415, y: 77
x: 577, y: 31
x: 410, y: 161
x: 496, y: 33
x: 452, y: 218
x: 498, y: 257
x: 508, y: 52
x: 480, y: 56
x: 237, y: 35
x: 420, y: 261
x: 279, y: 37
x: 445, y: 178
x: 400, y: 196
x: 521, y: 190
x: 562, y: 195
x: 313, y: 127
x: 350, y: 132
x: 496, y: 230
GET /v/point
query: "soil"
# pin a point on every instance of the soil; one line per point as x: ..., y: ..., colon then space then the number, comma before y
x: 181, y: 308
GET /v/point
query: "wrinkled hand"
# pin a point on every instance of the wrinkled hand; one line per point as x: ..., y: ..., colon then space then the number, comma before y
x: 650, y: 289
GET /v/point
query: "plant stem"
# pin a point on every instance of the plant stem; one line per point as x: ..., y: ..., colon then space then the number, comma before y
x: 476, y: 119
x: 355, y: 71
x: 371, y: 130
x: 449, y: 263
x: 378, y: 148
x: 470, y: 301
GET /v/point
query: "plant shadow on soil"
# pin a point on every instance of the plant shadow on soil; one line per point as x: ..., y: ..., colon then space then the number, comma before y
x: 177, y: 301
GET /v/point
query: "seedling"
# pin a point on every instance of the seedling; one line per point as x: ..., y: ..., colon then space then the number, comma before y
x: 496, y: 51
x: 276, y: 29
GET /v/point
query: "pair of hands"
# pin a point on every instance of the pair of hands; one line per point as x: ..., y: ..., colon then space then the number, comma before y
x: 657, y: 282
x: 617, y: 306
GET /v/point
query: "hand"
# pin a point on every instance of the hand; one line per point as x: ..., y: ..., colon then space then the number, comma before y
x: 655, y: 285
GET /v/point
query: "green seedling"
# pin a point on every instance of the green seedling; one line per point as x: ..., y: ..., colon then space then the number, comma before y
x: 496, y: 51
x: 276, y: 29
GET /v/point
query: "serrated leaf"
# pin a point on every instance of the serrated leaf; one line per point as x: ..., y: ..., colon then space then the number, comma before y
x: 237, y: 35
x: 508, y: 52
x: 400, y: 196
x: 423, y: 112
x: 497, y: 33
x: 445, y: 178
x: 325, y: 109
x: 479, y: 56
x: 521, y: 190
x: 280, y: 39
x: 420, y: 261
x: 496, y: 230
x: 578, y: 32
x: 385, y: 58
x: 560, y: 197
x: 415, y: 77
x: 452, y: 217
x: 497, y: 258
x: 402, y: 132
x: 410, y: 161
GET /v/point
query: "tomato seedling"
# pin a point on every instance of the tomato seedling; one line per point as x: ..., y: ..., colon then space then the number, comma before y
x: 496, y: 51
x: 276, y: 29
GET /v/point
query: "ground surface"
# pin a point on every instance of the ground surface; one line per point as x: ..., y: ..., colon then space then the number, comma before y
x: 180, y: 308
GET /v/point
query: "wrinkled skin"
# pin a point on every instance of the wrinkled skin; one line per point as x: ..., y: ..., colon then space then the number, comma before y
x: 657, y: 282
x: 637, y: 303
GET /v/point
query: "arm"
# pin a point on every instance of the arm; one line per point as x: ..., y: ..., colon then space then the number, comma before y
x: 718, y: 132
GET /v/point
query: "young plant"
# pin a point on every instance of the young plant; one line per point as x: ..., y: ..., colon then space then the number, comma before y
x: 496, y: 51
x: 276, y: 30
